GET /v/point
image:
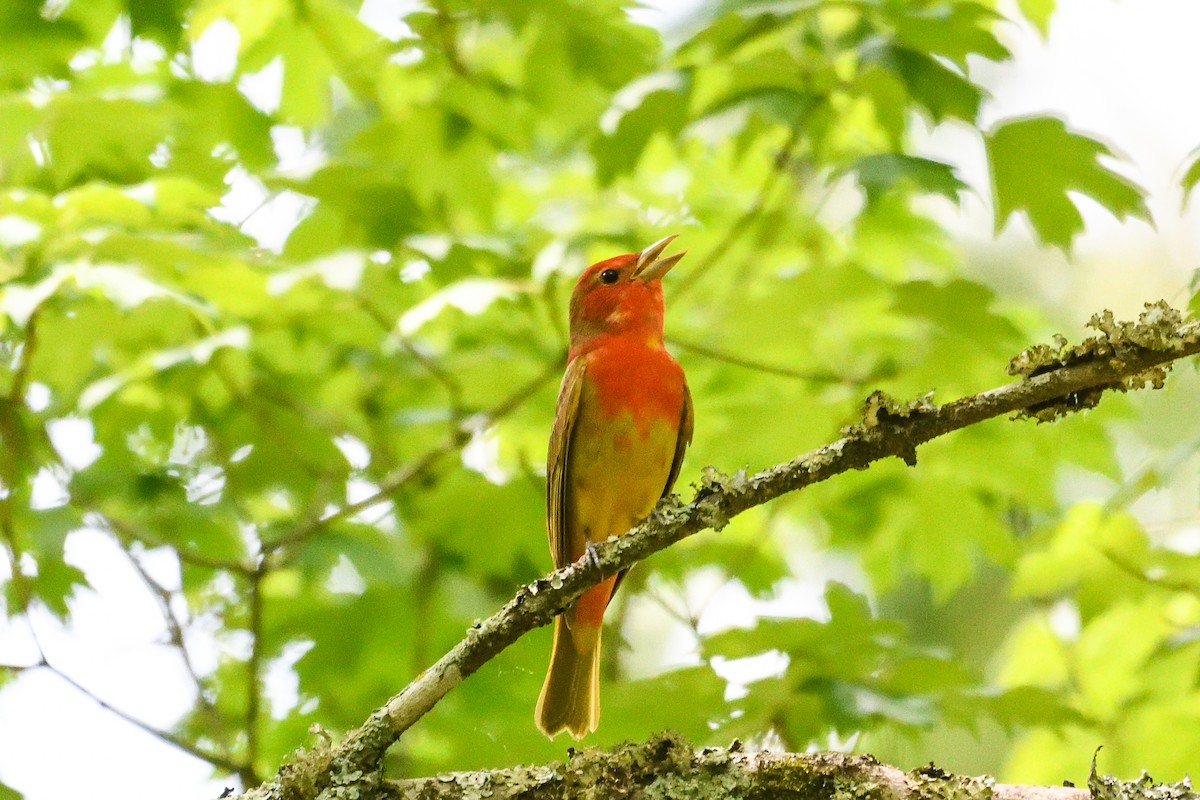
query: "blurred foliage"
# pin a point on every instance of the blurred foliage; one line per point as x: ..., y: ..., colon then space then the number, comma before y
x: 284, y: 288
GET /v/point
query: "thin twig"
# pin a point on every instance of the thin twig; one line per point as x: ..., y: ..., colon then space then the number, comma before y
x: 415, y: 469
x: 253, y: 676
x: 1135, y: 572
x: 735, y: 231
x: 127, y: 531
x: 447, y: 31
x: 425, y: 592
x: 217, y: 760
x: 251, y: 403
x: 163, y: 598
x: 453, y: 387
x: 16, y: 392
x: 12, y: 443
x: 812, y: 376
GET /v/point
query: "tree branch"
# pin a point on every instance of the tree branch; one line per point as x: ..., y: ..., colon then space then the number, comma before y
x: 1055, y: 381
x: 667, y: 766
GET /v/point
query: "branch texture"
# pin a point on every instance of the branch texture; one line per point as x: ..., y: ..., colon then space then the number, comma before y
x: 1055, y: 380
x: 667, y: 767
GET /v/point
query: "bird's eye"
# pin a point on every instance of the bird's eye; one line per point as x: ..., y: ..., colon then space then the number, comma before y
x: 609, y: 276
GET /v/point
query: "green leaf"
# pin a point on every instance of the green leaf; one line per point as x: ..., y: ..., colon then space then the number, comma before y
x: 1191, y: 177
x: 659, y: 110
x: 882, y: 173
x: 950, y: 30
x: 1038, y: 12
x: 35, y: 45
x: 939, y: 90
x: 1112, y: 652
x: 1035, y: 162
x: 90, y: 138
x: 158, y: 19
x: 1089, y: 552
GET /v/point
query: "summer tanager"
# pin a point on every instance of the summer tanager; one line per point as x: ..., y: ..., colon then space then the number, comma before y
x: 623, y: 420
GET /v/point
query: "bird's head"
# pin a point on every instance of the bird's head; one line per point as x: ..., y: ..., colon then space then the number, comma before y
x: 622, y: 295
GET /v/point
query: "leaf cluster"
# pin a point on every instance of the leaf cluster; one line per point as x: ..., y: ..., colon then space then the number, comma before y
x: 282, y: 297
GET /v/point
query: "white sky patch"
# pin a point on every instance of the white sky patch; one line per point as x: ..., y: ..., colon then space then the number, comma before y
x: 386, y: 17
x: 740, y: 672
x: 145, y: 54
x: 298, y: 157
x: 342, y: 270
x: 358, y: 489
x: 19, y: 301
x: 118, y: 282
x: 631, y: 95
x: 187, y: 442
x: 206, y: 486
x: 414, y: 270
x: 16, y: 231
x: 357, y: 454
x: 113, y: 646
x: 116, y: 44
x: 556, y: 257
x: 658, y: 640
x: 84, y: 59
x: 268, y: 217
x: 1185, y: 539
x: 1064, y: 620
x: 281, y: 685
x: 37, y: 397
x: 482, y: 454
x: 246, y: 193
x: 274, y: 221
x: 471, y: 296
x: 214, y: 52
x: 49, y: 490
x: 264, y: 88
x: 74, y: 439
x: 433, y: 245
x: 345, y: 578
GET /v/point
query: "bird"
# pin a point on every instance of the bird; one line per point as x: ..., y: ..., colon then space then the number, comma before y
x: 621, y: 425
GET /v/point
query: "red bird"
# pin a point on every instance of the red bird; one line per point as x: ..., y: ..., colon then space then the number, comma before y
x: 623, y: 421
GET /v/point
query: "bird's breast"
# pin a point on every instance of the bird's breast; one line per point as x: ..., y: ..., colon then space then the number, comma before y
x: 634, y: 380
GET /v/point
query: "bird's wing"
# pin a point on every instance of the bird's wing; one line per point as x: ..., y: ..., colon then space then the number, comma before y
x: 686, y: 421
x: 557, y: 461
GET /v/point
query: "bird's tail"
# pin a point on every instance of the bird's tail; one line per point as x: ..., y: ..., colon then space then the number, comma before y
x: 570, y: 697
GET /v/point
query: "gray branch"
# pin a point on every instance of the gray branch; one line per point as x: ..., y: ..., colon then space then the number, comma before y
x: 667, y: 767
x: 1054, y: 381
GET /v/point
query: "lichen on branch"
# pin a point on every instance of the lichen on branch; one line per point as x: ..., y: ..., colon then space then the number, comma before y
x: 1159, y: 329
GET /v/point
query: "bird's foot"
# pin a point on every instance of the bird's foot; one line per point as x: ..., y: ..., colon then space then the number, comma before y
x: 593, y: 555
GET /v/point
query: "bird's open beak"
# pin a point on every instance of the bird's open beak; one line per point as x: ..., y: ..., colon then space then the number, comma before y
x: 650, y: 266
